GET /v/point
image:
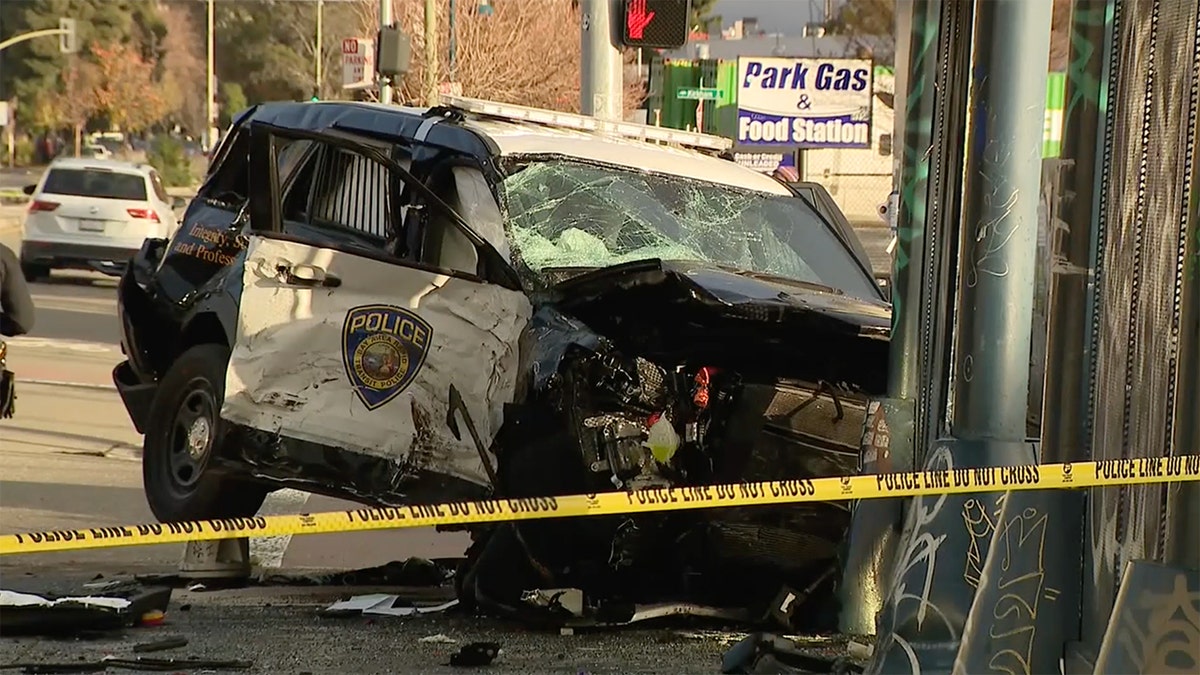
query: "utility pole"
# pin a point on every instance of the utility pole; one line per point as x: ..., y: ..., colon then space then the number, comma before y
x: 320, y: 51
x: 210, y: 132
x: 1000, y: 215
x: 602, y: 80
x: 431, y: 56
x: 453, y: 62
x: 385, y: 21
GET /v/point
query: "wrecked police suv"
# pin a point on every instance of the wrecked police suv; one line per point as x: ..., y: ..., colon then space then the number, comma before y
x: 407, y: 306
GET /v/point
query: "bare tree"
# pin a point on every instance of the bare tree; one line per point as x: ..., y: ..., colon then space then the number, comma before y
x: 870, y: 28
x: 296, y: 26
x: 524, y: 52
x: 183, y: 67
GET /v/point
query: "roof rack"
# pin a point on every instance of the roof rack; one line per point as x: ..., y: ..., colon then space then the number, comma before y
x: 553, y: 118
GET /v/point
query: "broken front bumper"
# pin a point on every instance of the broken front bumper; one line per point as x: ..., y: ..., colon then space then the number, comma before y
x: 135, y: 377
x: 135, y: 394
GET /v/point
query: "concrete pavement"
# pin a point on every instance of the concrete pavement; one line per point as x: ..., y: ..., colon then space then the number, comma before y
x: 85, y: 363
x: 279, y: 630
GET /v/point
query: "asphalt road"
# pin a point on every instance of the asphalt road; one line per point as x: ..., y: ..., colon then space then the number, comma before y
x: 72, y: 305
x: 18, y: 178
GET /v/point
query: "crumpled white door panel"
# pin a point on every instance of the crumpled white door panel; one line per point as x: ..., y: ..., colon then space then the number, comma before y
x: 368, y: 365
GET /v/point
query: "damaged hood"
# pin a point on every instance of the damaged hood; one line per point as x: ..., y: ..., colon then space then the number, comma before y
x: 735, y: 293
x: 695, y: 310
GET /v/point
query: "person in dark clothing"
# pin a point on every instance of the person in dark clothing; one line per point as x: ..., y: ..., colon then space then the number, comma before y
x: 16, y: 318
x: 16, y: 304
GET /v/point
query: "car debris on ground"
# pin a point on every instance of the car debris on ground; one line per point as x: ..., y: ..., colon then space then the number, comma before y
x: 141, y: 663
x: 118, y: 605
x: 382, y: 604
x: 475, y: 654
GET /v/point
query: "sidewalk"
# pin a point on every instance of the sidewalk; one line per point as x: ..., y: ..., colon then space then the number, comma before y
x: 87, y: 364
x: 10, y: 217
x: 85, y: 417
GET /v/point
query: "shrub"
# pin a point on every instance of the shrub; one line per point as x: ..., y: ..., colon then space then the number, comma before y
x: 22, y: 151
x: 166, y: 155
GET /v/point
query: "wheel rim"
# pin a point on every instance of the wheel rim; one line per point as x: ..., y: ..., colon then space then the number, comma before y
x: 192, y: 436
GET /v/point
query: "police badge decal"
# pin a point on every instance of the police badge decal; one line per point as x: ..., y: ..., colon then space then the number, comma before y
x: 383, y: 348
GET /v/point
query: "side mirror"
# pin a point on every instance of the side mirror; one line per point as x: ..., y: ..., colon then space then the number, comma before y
x: 178, y: 202
x: 29, y: 189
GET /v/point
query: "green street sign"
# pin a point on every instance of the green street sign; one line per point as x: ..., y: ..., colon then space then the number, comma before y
x: 699, y: 93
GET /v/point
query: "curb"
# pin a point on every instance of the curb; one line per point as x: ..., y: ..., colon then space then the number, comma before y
x: 82, y: 346
x: 73, y: 385
x: 123, y: 451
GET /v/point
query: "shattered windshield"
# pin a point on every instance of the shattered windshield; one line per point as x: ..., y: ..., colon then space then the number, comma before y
x: 565, y: 214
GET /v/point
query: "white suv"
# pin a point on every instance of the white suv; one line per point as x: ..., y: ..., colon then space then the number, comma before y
x: 93, y: 214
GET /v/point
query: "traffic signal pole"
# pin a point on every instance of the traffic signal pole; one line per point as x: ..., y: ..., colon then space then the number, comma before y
x: 210, y: 112
x: 602, y: 81
x: 385, y: 82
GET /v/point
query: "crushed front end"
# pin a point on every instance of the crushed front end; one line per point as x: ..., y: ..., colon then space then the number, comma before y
x: 659, y: 374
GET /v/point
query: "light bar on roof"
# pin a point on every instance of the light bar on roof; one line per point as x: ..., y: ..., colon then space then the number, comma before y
x: 553, y: 118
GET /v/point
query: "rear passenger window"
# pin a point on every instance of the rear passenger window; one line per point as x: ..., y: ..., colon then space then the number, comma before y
x: 352, y: 191
x: 339, y: 196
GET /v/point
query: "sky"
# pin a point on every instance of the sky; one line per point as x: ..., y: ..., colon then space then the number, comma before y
x: 774, y: 16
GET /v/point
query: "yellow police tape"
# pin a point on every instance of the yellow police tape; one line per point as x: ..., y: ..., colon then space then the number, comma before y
x: 1137, y: 471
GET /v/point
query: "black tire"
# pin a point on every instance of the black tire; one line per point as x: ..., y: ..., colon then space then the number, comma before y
x: 34, y: 272
x: 178, y: 483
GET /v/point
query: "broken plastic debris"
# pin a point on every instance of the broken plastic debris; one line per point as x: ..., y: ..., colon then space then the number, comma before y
x: 769, y: 653
x: 662, y: 440
x: 665, y: 609
x: 160, y: 645
x: 383, y: 604
x: 569, y: 599
x: 101, y: 585
x: 860, y: 650
x: 35, y: 614
x: 475, y: 654
x: 143, y: 663
x: 359, y: 603
x: 153, y: 618
x: 15, y: 599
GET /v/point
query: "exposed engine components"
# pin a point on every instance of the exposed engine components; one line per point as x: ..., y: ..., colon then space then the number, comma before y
x: 621, y: 440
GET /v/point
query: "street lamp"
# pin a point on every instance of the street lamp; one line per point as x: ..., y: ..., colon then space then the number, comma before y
x: 210, y: 121
x: 320, y: 50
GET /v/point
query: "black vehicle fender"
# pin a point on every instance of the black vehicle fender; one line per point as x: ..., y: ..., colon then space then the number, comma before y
x: 144, y: 325
x: 211, y: 319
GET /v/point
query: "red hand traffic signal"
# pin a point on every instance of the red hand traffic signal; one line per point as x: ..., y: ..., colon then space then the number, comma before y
x: 657, y: 24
